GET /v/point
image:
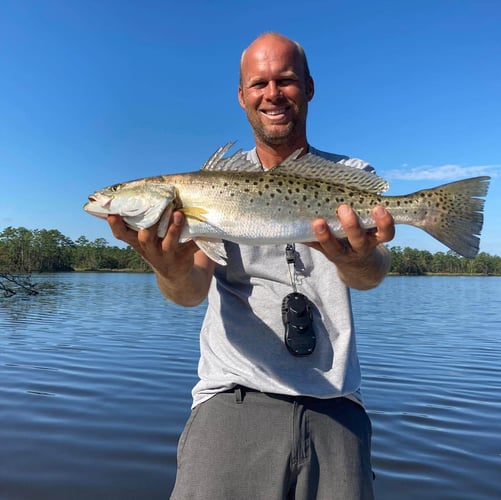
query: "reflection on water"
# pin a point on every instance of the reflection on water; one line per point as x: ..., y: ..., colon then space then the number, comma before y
x: 430, y: 350
x: 97, y: 375
x: 97, y: 370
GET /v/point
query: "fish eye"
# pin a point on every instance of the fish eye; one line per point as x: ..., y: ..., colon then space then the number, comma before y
x: 115, y: 187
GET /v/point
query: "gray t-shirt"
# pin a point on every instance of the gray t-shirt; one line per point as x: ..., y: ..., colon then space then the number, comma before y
x: 242, y: 336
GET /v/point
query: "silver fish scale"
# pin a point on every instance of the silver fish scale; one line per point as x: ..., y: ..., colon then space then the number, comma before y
x: 250, y: 204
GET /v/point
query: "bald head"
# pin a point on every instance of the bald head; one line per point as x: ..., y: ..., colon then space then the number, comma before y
x: 268, y: 40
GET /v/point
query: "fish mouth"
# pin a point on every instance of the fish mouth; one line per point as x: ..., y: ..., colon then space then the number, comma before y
x: 99, y: 199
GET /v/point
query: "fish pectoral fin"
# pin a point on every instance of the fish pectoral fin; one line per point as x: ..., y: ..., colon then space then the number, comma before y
x: 195, y: 213
x: 214, y: 249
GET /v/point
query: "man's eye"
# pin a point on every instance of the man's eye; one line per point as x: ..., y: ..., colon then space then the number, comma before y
x: 285, y: 82
x: 258, y: 85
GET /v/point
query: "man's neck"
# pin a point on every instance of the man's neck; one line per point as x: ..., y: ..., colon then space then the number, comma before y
x: 271, y: 155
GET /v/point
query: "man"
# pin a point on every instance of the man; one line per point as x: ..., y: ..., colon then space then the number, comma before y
x: 267, y: 424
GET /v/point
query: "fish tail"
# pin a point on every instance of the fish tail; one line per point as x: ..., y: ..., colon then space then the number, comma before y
x: 453, y: 214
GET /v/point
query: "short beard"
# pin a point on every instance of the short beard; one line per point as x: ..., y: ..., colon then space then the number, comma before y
x: 280, y: 137
x: 275, y: 138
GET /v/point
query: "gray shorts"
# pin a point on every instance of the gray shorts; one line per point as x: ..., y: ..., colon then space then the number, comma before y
x: 246, y: 445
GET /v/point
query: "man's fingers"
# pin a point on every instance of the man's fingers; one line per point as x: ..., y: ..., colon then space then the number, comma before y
x: 384, y: 223
x: 170, y: 242
x: 326, y: 242
x: 356, y: 235
x: 360, y: 242
x: 121, y: 231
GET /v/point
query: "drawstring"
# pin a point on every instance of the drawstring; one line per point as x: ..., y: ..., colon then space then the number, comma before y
x: 290, y: 257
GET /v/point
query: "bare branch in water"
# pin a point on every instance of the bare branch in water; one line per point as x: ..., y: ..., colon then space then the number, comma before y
x: 11, y: 284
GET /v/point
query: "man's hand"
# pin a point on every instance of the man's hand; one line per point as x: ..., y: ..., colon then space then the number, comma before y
x: 183, y: 272
x: 364, y: 262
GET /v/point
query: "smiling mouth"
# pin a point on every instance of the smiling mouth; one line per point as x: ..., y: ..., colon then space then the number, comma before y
x: 274, y: 112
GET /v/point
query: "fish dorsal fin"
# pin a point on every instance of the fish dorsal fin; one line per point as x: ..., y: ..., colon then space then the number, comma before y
x: 309, y: 166
x: 237, y: 162
x: 216, y: 156
x: 315, y: 167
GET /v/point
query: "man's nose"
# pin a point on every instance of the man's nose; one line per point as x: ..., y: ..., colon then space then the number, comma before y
x: 273, y: 90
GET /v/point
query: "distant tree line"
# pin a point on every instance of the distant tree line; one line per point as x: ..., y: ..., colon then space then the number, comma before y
x: 409, y: 261
x: 47, y: 250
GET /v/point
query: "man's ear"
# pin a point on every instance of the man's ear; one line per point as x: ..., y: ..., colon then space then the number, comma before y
x: 310, y: 88
x: 241, y: 96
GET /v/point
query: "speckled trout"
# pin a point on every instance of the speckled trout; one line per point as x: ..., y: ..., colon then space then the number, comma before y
x: 233, y: 199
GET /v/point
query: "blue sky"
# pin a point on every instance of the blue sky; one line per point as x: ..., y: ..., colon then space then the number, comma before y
x: 94, y: 92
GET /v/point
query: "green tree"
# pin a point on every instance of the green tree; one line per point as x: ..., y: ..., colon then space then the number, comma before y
x: 83, y: 254
x: 53, y: 250
x: 16, y: 250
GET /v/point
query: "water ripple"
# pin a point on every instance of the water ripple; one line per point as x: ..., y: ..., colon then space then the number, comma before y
x: 97, y: 373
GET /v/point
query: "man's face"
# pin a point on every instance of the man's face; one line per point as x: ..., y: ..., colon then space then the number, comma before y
x: 274, y: 91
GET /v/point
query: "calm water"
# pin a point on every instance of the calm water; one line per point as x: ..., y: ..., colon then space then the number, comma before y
x: 96, y: 374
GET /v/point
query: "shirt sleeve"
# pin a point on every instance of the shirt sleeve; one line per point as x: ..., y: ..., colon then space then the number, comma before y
x: 357, y: 163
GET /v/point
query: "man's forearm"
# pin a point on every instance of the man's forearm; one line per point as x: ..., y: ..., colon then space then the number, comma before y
x: 188, y: 290
x: 367, y: 273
